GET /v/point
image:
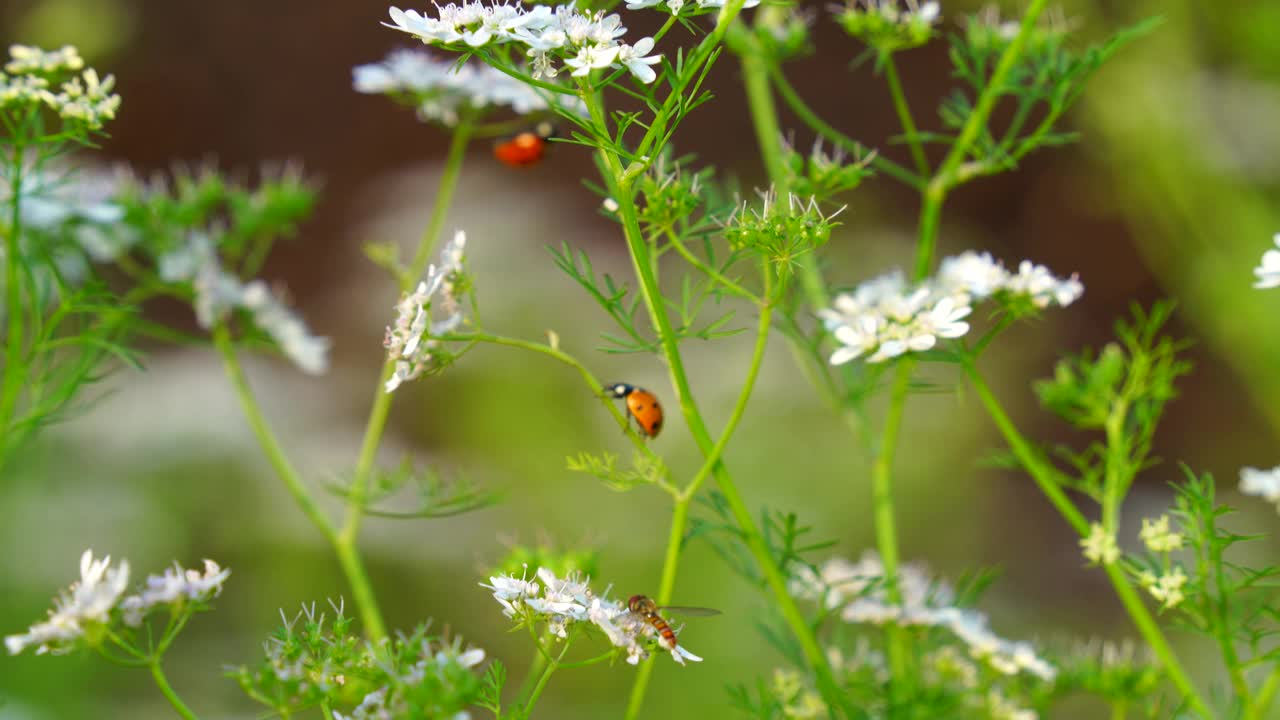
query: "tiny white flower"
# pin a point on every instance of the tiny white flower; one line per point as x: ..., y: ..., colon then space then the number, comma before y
x: 88, y: 601
x: 1261, y: 483
x: 1158, y: 537
x: 632, y: 58
x: 592, y: 57
x: 1167, y: 588
x: 1099, y: 546
x: 1268, y: 271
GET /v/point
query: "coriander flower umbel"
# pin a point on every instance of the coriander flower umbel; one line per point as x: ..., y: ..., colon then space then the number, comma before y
x: 859, y: 592
x: 219, y: 292
x: 1158, y: 537
x: 441, y: 89
x: 88, y: 602
x: 584, y: 41
x: 567, y: 603
x: 1268, y: 270
x: 887, y: 25
x: 1100, y: 546
x: 36, y: 77
x: 411, y: 342
x: 1261, y: 483
x: 1165, y: 588
x: 174, y: 587
x: 885, y: 317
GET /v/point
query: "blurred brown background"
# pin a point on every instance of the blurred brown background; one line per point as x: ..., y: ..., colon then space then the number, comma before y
x: 1173, y: 192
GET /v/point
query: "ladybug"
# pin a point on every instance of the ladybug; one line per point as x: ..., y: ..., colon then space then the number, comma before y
x: 526, y: 148
x: 642, y: 406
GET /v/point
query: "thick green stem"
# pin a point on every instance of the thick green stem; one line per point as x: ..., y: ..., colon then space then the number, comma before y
x: 1266, y: 694
x: 904, y: 114
x: 163, y: 683
x: 1046, y: 477
x: 348, y: 558
x: 377, y: 422
x: 642, y: 262
x: 14, y: 346
x: 886, y: 524
x: 1150, y: 632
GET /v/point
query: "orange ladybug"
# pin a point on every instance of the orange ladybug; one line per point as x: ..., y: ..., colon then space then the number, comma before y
x: 642, y: 406
x: 526, y: 148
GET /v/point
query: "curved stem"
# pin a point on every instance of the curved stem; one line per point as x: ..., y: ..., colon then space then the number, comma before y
x: 377, y: 422
x: 163, y: 683
x: 680, y: 511
x: 904, y: 114
x: 1266, y: 694
x: 820, y: 126
x: 642, y: 262
x: 350, y: 561
x: 1046, y: 477
x: 552, y: 664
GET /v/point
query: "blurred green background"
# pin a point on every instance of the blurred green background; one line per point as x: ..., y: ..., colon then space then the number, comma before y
x: 1174, y: 191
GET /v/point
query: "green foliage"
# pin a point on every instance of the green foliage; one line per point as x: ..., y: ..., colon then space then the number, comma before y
x: 1048, y: 78
x: 434, y: 495
x: 1121, y: 391
x: 315, y: 661
x: 646, y: 469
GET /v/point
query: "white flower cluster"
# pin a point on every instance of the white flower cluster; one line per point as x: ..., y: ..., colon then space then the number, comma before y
x: 1099, y: 546
x: 217, y: 292
x: 410, y: 341
x: 914, y: 14
x: 562, y: 602
x: 88, y: 601
x: 80, y: 203
x: 1268, y: 270
x: 1158, y: 536
x: 1166, y: 587
x: 1261, y: 483
x: 857, y: 590
x: 884, y: 317
x: 441, y: 88
x: 91, y: 600
x: 30, y: 77
x: 583, y: 41
x: 175, y: 585
x: 675, y: 6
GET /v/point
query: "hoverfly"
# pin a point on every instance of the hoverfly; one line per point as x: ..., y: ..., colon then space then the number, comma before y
x: 647, y: 609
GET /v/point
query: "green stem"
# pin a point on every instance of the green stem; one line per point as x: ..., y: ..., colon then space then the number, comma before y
x: 904, y: 114
x: 1266, y: 694
x: 680, y: 512
x: 820, y: 126
x: 552, y: 665
x: 536, y: 666
x: 163, y: 683
x: 642, y: 262
x: 14, y: 350
x: 886, y: 524
x: 1046, y: 477
x: 675, y: 541
x: 1150, y: 632
x: 377, y: 422
x: 1119, y: 709
x: 764, y: 117
x: 350, y: 561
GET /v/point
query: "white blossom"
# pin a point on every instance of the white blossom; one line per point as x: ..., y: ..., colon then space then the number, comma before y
x: 1261, y: 483
x: 1268, y: 270
x: 1100, y: 546
x: 1166, y: 588
x: 174, y: 585
x: 1158, y: 537
x: 30, y: 76
x: 88, y: 601
x: 859, y: 592
x: 411, y: 341
x: 563, y: 603
x: 885, y: 317
x: 582, y: 41
x: 218, y: 292
x: 442, y: 89
x: 675, y: 6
